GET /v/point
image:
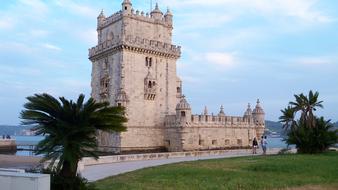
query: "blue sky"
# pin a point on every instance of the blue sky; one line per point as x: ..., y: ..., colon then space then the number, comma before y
x: 233, y: 51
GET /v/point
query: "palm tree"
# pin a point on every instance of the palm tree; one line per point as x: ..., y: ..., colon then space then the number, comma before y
x: 307, y: 105
x: 288, y: 118
x: 69, y: 128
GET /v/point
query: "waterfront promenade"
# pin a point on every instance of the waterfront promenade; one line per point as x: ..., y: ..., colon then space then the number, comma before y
x: 97, y: 172
x: 18, y: 162
x: 100, y: 171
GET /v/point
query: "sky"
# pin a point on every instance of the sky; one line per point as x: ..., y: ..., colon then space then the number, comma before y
x: 233, y: 51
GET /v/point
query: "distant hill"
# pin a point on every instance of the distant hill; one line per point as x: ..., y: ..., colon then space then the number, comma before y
x: 12, y: 130
x: 274, y: 126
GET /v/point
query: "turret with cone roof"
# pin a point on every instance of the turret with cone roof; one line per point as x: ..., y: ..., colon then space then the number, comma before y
x: 168, y: 17
x: 248, y: 112
x: 258, y: 114
x: 127, y: 6
x: 156, y: 13
x: 205, y: 112
x: 101, y: 18
x: 221, y: 111
x: 183, y: 111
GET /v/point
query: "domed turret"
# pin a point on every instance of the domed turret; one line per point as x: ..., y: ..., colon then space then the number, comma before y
x: 183, y: 110
x: 126, y: 6
x: 205, y: 112
x: 248, y: 112
x: 121, y: 98
x: 258, y: 114
x: 168, y: 17
x: 101, y: 18
x: 183, y: 104
x: 156, y: 13
x: 221, y: 111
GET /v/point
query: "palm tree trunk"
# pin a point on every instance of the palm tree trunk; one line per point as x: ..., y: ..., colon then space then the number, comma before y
x: 67, y: 170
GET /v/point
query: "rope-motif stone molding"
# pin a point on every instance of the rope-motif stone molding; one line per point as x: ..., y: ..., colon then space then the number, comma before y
x: 139, y: 45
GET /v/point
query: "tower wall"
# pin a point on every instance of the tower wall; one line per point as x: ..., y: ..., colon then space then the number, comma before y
x: 131, y: 47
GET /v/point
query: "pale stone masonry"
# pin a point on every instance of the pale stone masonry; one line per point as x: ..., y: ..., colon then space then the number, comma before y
x: 134, y: 65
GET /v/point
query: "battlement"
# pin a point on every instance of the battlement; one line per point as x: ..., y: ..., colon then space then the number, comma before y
x: 137, y: 44
x: 141, y: 16
x: 210, y: 120
x: 110, y: 20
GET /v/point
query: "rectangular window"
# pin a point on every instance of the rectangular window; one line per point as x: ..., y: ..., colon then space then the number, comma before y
x: 214, y: 142
x: 201, y: 142
x: 239, y: 142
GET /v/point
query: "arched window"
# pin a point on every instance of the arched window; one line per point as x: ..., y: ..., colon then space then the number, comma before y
x: 182, y: 113
x: 147, y: 61
x: 178, y: 90
x: 154, y: 83
x: 149, y: 84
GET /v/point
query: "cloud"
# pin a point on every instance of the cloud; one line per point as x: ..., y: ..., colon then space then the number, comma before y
x: 6, y: 23
x: 314, y: 61
x: 89, y: 36
x: 300, y: 9
x: 78, y: 9
x: 51, y: 47
x: 226, y: 60
x: 36, y: 7
x: 38, y: 33
x: 17, y: 47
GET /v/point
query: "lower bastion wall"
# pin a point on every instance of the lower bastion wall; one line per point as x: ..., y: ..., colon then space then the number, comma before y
x: 207, y: 132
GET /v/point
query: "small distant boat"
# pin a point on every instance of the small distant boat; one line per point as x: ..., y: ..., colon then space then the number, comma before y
x: 274, y: 135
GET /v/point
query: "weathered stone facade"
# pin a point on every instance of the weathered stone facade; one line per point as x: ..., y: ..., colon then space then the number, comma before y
x: 134, y: 65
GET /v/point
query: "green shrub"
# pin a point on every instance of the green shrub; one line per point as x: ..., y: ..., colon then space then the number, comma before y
x: 312, y: 140
x: 59, y: 182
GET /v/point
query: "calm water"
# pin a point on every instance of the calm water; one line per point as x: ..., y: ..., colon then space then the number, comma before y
x: 28, y: 141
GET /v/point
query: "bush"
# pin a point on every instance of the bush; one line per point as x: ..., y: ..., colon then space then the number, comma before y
x: 59, y: 182
x: 312, y: 140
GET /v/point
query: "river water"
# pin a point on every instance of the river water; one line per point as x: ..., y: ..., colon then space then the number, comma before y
x: 27, y: 142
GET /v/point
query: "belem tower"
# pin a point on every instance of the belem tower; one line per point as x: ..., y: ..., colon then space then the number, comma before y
x: 134, y: 65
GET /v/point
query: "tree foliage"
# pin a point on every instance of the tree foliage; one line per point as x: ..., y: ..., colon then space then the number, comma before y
x: 69, y: 128
x: 309, y: 133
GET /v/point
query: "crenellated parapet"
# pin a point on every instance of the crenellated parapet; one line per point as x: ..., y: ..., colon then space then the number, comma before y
x: 106, y: 21
x: 141, y: 45
x: 210, y: 121
x: 155, y: 17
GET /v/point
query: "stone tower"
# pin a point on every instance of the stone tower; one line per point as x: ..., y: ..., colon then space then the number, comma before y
x: 258, y: 115
x: 134, y: 65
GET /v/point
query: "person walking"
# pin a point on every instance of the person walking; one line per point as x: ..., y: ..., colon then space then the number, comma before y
x: 254, y: 146
x: 264, y: 145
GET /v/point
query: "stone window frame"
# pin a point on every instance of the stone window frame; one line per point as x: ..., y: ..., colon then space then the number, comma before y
x: 149, y: 61
x: 227, y: 142
x: 239, y: 142
x: 214, y: 142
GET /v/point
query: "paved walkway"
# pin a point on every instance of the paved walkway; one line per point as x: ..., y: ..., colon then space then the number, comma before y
x: 97, y: 172
x: 18, y: 162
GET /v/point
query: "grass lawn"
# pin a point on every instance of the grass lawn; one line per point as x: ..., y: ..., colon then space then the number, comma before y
x: 296, y: 172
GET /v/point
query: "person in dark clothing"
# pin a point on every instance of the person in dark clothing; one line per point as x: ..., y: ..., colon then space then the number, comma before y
x: 254, y: 146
